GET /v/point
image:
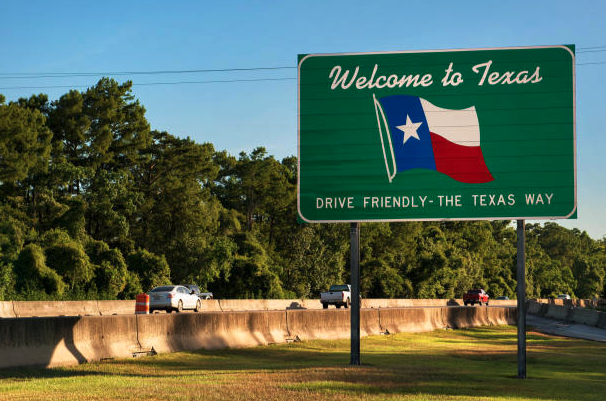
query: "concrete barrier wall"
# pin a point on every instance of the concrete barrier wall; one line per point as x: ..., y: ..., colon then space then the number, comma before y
x: 585, y: 316
x: 55, y: 341
x: 386, y: 303
x: 534, y: 307
x: 211, y: 330
x: 211, y: 305
x: 331, y: 324
x: 579, y: 303
x: 314, y: 324
x: 467, y: 317
x: 116, y: 307
x: 503, y: 302
x: 567, y: 312
x: 267, y: 304
x: 6, y: 309
x: 398, y: 320
x: 558, y: 312
x: 36, y: 341
x: 426, y: 319
x: 99, y: 337
x: 55, y: 308
x: 104, y: 308
x: 69, y: 340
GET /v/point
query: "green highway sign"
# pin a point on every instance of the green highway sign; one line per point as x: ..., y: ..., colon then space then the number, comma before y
x: 437, y: 135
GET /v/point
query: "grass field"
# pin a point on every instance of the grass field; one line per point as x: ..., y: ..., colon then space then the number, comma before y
x: 477, y: 364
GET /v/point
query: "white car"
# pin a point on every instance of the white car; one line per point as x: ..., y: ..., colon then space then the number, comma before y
x: 563, y: 296
x: 173, y: 298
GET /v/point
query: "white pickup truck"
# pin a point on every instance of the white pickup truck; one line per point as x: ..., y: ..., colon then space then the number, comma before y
x: 337, y: 295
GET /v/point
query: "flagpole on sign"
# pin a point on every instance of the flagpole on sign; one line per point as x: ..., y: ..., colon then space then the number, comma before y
x: 521, y: 295
x: 354, y: 231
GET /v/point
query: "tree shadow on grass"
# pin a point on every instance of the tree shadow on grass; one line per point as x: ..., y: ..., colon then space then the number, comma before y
x: 28, y: 373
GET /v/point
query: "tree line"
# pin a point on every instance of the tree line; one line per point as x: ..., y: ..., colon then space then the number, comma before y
x: 94, y: 204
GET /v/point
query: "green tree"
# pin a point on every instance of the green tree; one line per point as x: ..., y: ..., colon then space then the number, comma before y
x: 380, y: 280
x: 251, y: 274
x: 589, y: 274
x: 33, y: 275
x: 24, y: 143
x: 109, y: 207
x: 6, y: 280
x: 178, y: 216
x: 110, y: 276
x: 151, y: 269
x: 70, y: 125
x: 68, y: 258
x: 313, y: 258
x: 257, y: 185
x: 132, y: 286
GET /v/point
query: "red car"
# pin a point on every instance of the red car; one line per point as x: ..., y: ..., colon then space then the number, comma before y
x: 476, y: 296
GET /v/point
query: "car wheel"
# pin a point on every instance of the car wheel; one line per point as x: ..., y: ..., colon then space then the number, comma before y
x: 465, y: 303
x: 325, y: 306
x: 347, y: 303
x: 198, y: 306
x: 480, y: 302
x: 338, y: 306
x: 180, y: 306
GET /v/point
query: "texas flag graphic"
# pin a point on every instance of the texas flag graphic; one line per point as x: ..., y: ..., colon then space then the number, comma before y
x: 416, y: 134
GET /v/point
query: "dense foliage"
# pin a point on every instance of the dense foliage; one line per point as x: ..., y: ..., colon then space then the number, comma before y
x: 95, y: 204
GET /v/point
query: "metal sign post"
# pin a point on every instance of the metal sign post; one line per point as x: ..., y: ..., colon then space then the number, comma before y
x: 355, y: 293
x: 521, y: 294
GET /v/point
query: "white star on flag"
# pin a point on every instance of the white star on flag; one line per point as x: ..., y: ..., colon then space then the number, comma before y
x: 410, y: 129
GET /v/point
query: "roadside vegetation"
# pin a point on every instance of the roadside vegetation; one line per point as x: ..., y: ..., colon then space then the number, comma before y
x: 96, y: 204
x: 478, y: 363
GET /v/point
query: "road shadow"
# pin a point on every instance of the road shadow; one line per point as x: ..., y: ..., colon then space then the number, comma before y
x: 39, y: 341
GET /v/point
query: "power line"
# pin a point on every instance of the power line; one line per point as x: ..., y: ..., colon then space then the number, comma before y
x: 592, y: 47
x: 96, y: 74
x: 157, y: 83
x: 597, y: 62
x: 592, y: 51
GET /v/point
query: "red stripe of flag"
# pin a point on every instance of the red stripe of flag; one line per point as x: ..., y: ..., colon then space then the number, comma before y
x: 462, y: 163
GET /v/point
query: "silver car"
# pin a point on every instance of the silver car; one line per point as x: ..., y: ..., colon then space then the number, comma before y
x: 173, y: 298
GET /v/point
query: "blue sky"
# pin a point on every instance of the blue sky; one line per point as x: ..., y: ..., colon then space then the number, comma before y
x: 43, y: 38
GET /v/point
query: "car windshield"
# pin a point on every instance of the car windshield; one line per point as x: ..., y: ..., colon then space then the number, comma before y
x: 192, y: 287
x: 474, y: 291
x: 339, y: 288
x: 166, y: 288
